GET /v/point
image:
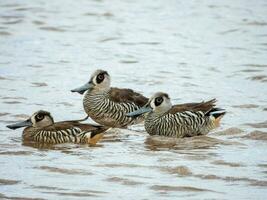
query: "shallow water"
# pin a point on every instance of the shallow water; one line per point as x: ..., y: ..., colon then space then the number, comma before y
x: 192, y: 50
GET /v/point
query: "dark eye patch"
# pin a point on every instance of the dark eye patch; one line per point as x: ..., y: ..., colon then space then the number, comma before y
x: 100, y: 77
x: 39, y: 117
x: 158, y: 101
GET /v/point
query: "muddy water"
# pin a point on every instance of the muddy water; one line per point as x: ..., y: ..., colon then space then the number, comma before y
x: 192, y: 50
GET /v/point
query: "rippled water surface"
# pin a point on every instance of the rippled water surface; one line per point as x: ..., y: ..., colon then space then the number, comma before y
x: 193, y: 50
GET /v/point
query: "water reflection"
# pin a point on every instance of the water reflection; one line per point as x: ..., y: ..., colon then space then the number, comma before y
x: 189, y: 143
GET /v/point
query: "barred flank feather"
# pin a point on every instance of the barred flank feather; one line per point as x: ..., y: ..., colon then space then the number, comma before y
x: 75, y: 135
x: 181, y: 124
x: 105, y: 111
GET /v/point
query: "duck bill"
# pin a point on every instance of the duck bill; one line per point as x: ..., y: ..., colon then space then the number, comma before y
x: 20, y: 124
x: 84, y: 88
x: 140, y: 111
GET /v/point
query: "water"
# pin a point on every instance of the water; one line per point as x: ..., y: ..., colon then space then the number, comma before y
x: 190, y: 49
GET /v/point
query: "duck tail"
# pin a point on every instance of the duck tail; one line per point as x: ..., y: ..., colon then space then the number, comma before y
x: 217, y: 114
x: 94, y: 137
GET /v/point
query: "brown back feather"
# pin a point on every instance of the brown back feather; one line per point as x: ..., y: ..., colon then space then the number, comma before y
x: 202, y: 106
x: 58, y: 126
x: 127, y: 96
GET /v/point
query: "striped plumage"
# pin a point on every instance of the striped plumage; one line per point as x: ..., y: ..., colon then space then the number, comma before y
x: 41, y: 128
x: 105, y: 111
x: 72, y: 134
x: 181, y: 124
x: 180, y: 120
x: 107, y: 105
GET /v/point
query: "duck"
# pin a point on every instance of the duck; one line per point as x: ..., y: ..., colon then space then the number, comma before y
x: 182, y: 120
x: 41, y: 128
x: 108, y: 105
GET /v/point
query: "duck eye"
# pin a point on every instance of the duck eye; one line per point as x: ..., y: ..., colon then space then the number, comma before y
x: 158, y: 101
x: 39, y: 117
x: 100, y: 78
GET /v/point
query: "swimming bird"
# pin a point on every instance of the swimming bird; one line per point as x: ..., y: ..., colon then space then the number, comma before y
x: 183, y: 120
x: 40, y: 127
x: 108, y: 105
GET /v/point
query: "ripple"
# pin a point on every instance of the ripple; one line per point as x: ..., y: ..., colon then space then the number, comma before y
x: 4, y: 114
x: 128, y: 61
x: 108, y: 39
x: 51, y: 188
x: 37, y: 84
x: 257, y: 23
x: 122, y: 165
x: 11, y: 17
x: 229, y: 131
x: 2, y: 196
x: 246, y: 106
x: 179, y: 170
x: 7, y: 121
x: 230, y: 164
x: 64, y: 171
x: 14, y: 98
x: 91, y: 14
x: 93, y: 191
x: 252, y: 182
x: 12, y: 102
x: 251, y: 70
x: 123, y: 181
x: 37, y: 22
x: 105, y: 14
x: 229, y: 31
x: 262, y: 165
x: 67, y: 104
x: 258, y: 183
x: 256, y: 135
x: 73, y: 194
x: 197, y: 142
x: 262, y: 78
x: 11, y: 5
x: 258, y: 125
x: 53, y: 29
x: 150, y: 43
x: 45, y: 146
x: 167, y: 188
x: 18, y: 21
x: 4, y: 78
x: 16, y: 153
x: 44, y: 187
x: 8, y: 182
x: 5, y: 33
x: 64, y: 61
x: 255, y: 65
x: 21, y: 116
x: 35, y: 66
x: 139, y: 43
x: 165, y: 72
